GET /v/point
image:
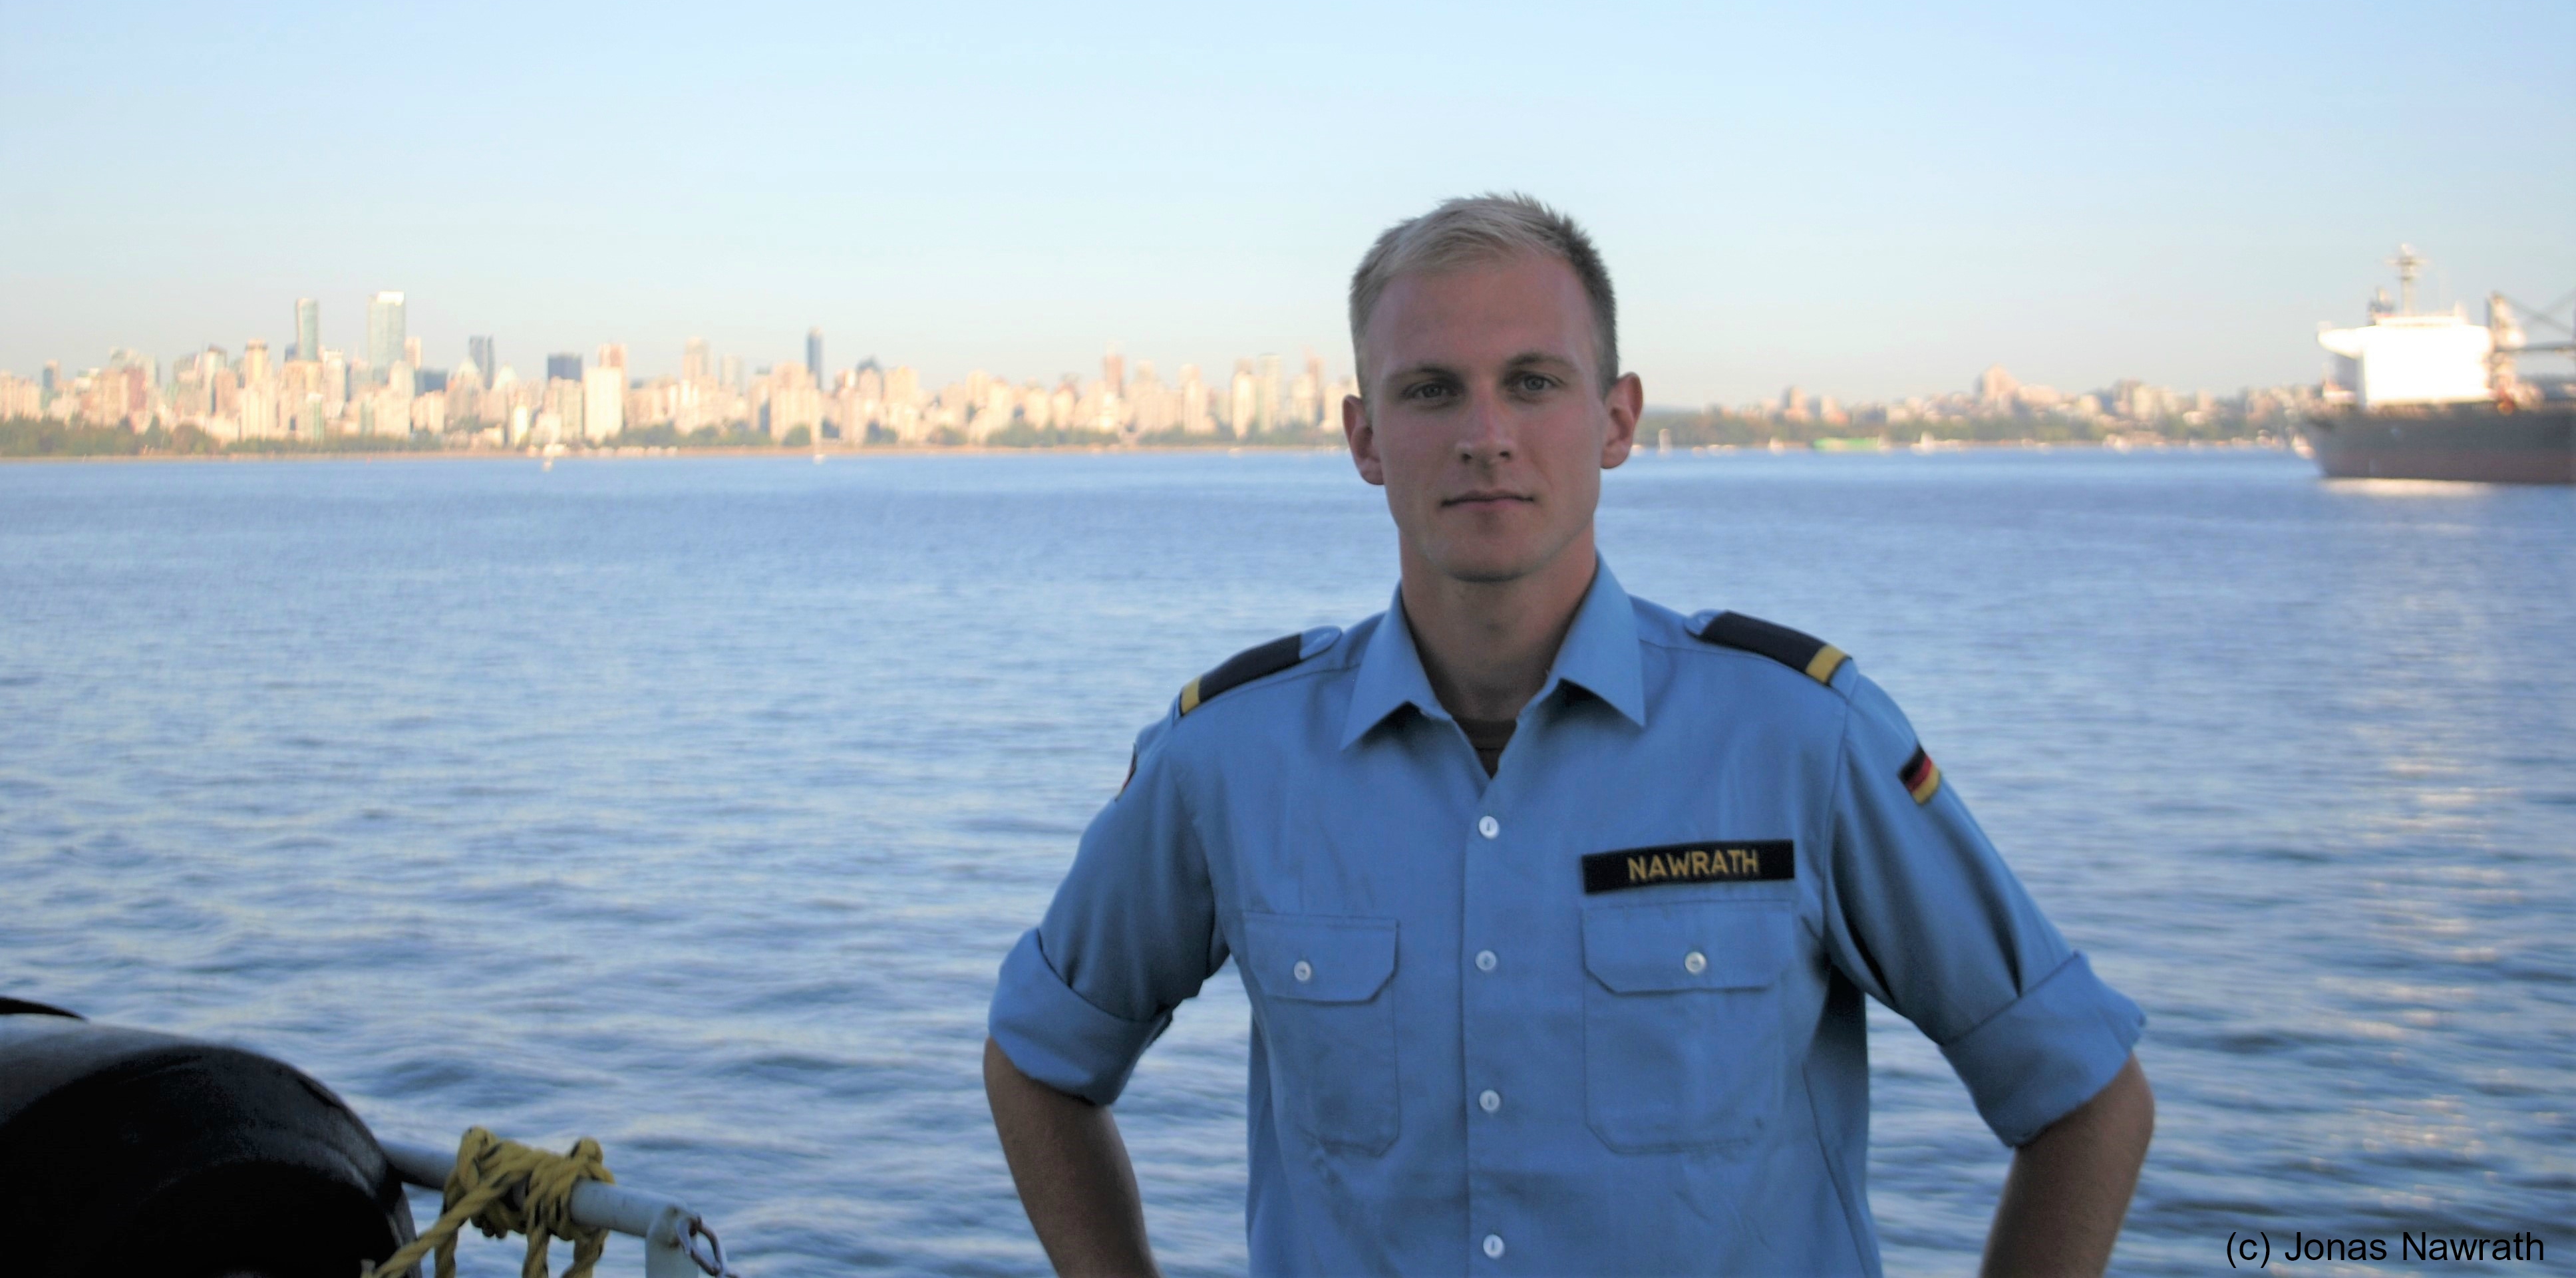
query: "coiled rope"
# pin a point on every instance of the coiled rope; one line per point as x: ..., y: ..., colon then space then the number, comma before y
x: 503, y: 1187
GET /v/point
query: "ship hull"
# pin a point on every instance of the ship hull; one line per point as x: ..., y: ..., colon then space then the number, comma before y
x: 2473, y: 442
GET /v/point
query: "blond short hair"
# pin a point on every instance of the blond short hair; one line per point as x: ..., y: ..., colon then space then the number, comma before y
x: 1475, y: 229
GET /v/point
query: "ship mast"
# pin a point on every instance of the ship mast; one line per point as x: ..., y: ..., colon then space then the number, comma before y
x: 2408, y: 267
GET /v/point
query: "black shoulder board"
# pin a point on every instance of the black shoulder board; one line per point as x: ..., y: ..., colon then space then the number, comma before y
x: 1242, y: 668
x: 1797, y: 651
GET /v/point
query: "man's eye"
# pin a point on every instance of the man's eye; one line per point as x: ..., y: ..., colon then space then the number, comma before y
x: 1426, y: 390
x: 1533, y: 383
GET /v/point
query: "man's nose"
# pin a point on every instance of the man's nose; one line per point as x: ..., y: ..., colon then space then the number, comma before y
x: 1485, y: 435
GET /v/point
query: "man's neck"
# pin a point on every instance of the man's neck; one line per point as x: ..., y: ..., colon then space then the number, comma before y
x: 1487, y: 646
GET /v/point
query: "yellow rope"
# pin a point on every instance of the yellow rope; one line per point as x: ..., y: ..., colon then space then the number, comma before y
x: 503, y: 1188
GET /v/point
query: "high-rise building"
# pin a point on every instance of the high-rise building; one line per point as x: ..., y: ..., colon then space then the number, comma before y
x: 1113, y: 371
x: 563, y: 367
x: 53, y: 376
x: 1267, y: 414
x: 603, y: 402
x: 814, y: 355
x: 384, y: 334
x: 731, y: 377
x: 411, y: 351
x: 693, y: 360
x: 335, y: 382
x: 308, y: 329
x: 479, y: 350
x: 612, y: 355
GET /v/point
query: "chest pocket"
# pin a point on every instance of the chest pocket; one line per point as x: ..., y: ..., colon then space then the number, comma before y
x: 1322, y: 992
x: 1683, y: 1040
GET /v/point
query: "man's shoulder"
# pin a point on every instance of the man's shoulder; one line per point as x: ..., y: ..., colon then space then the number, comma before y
x: 1238, y: 681
x: 1749, y: 648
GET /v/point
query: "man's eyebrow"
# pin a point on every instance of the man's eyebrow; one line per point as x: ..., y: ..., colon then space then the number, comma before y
x: 1423, y: 368
x: 1527, y: 359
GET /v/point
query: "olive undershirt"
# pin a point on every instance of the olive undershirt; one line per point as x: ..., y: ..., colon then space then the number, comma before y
x: 1489, y: 736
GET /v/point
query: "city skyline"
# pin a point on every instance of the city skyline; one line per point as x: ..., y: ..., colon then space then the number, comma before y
x: 1870, y: 199
x: 320, y: 396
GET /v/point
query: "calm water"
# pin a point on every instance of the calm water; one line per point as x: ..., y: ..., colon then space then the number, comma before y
x: 692, y: 803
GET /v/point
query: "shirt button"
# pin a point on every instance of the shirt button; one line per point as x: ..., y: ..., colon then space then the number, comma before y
x: 1693, y: 963
x: 1485, y: 960
x: 1490, y: 1101
x: 1493, y: 1246
x: 1305, y: 971
x: 1489, y: 827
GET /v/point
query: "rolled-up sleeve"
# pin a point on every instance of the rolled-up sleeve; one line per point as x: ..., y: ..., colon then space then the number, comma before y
x: 1130, y: 935
x: 1923, y: 914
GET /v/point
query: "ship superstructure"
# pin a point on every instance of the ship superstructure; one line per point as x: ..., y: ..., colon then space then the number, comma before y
x: 2429, y: 395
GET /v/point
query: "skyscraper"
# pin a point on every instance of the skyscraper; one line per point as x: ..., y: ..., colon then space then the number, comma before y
x: 814, y: 354
x: 603, y: 402
x: 693, y: 360
x: 479, y: 350
x: 308, y: 329
x: 1266, y: 416
x: 563, y: 367
x: 384, y: 334
x: 732, y: 373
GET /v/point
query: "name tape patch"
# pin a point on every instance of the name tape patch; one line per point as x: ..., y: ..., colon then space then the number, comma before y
x: 1731, y: 861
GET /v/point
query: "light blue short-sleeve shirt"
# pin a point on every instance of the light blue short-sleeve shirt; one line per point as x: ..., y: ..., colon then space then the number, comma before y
x: 1600, y: 1013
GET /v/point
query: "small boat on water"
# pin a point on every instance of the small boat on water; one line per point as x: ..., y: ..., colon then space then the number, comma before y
x: 2416, y: 395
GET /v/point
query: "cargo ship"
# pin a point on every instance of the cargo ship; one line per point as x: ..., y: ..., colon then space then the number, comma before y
x: 2415, y: 395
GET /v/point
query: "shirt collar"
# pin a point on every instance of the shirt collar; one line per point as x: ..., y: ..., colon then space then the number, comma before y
x: 1599, y: 655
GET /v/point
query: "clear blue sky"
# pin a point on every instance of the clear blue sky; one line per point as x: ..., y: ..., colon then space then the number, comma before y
x: 1865, y: 200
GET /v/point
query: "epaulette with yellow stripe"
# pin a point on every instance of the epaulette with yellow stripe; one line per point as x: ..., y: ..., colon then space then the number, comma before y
x: 1814, y: 657
x: 1242, y: 668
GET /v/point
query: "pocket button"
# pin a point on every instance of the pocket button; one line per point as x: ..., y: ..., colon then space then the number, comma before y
x: 1693, y: 963
x: 1305, y: 971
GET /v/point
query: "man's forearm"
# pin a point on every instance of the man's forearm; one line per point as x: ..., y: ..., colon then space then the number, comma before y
x: 2069, y: 1187
x: 1072, y: 1172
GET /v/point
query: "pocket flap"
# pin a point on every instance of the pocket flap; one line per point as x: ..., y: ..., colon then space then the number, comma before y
x: 1318, y: 958
x: 1688, y: 945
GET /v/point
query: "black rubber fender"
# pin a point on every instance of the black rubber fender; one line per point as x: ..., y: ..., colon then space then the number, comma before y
x: 126, y: 1152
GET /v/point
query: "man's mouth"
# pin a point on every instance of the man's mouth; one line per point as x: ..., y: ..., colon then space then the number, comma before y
x: 1484, y: 497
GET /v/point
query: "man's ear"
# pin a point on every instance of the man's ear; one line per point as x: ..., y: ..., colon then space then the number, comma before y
x: 1362, y: 435
x: 1625, y: 404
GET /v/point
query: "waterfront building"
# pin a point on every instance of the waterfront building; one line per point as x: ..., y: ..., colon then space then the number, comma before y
x: 603, y: 399
x: 789, y: 400
x: 693, y: 360
x: 730, y: 374
x: 308, y: 328
x: 479, y: 351
x: 563, y: 367
x: 559, y: 420
x: 613, y: 355
x: 814, y: 357
x: 385, y: 340
x: 1242, y: 399
x: 1268, y: 411
x: 1196, y: 415
x: 20, y: 399
x: 335, y: 383
x: 429, y: 413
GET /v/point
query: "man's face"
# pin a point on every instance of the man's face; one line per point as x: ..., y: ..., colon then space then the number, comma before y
x: 1484, y: 418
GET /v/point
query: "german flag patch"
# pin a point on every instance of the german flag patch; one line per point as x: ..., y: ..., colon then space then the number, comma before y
x: 1922, y: 777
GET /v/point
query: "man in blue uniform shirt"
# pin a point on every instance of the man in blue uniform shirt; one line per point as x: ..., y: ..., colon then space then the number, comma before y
x: 1556, y: 909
